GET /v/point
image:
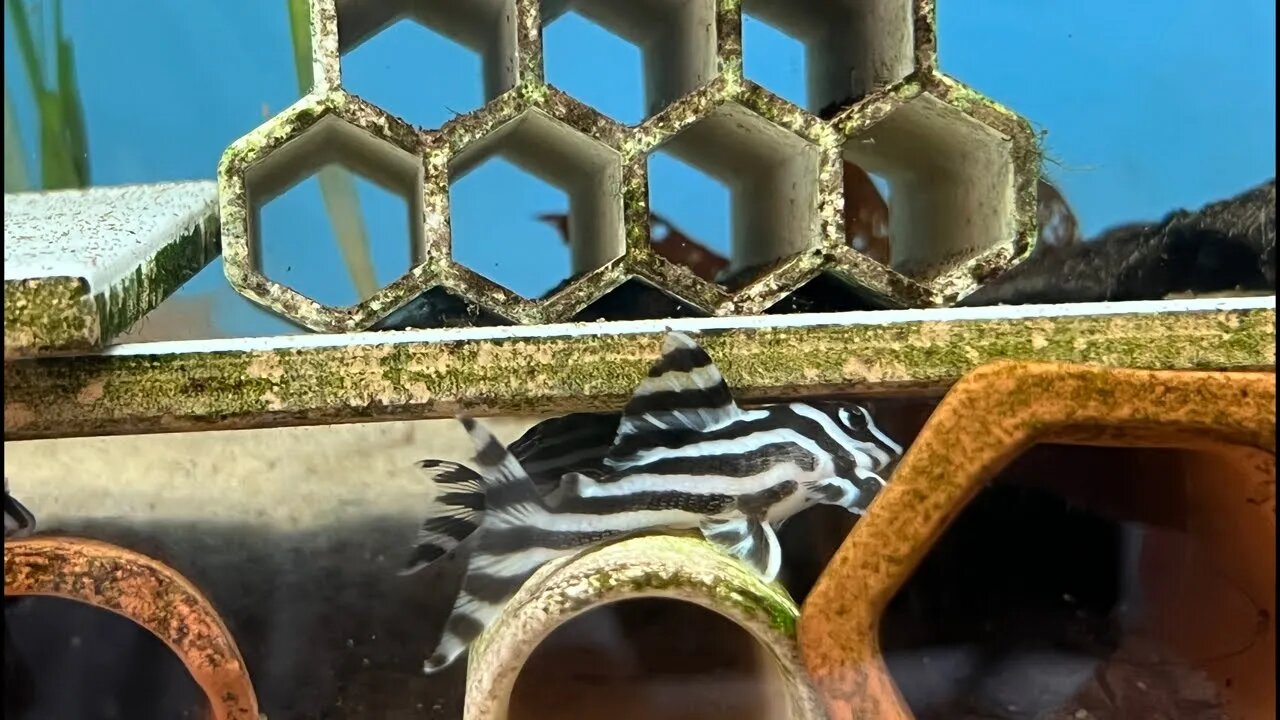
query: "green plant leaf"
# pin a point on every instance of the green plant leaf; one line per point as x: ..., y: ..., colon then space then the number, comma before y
x: 15, y: 162
x: 72, y: 113
x: 26, y: 44
x: 343, y: 207
x: 300, y: 33
x: 56, y: 171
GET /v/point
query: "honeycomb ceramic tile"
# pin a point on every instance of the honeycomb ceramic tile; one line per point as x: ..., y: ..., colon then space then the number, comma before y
x: 785, y: 161
x: 82, y: 266
x: 549, y: 135
x: 322, y: 129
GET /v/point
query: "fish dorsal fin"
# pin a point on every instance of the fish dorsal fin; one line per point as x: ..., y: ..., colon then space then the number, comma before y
x: 750, y: 540
x: 576, y: 442
x: 683, y: 394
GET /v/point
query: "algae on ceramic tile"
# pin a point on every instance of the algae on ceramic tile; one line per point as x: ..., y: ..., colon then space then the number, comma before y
x: 82, y: 266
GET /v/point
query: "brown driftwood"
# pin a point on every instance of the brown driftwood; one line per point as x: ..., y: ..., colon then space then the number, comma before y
x: 1227, y: 245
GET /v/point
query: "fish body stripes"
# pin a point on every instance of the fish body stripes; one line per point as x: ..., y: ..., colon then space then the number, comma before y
x: 682, y: 455
x: 576, y: 442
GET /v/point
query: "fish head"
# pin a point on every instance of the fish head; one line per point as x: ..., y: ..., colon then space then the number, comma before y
x: 862, y: 453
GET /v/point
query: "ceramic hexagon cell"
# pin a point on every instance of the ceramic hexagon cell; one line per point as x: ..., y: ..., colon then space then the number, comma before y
x: 676, y: 40
x: 568, y: 146
x: 961, y: 172
x: 485, y: 36
x: 311, y: 137
x: 770, y: 175
x: 851, y: 47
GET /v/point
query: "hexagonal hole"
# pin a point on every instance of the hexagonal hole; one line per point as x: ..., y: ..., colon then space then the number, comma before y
x: 374, y: 191
x: 375, y: 70
x: 595, y: 66
x: 507, y: 241
x: 951, y: 179
x: 866, y: 213
x: 690, y: 216
x: 771, y: 178
x: 295, y: 226
x: 588, y: 56
x: 1097, y: 582
x: 851, y: 46
x: 774, y: 60
x: 536, y: 180
x: 428, y: 62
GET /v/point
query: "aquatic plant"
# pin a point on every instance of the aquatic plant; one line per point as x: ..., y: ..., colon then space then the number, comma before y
x: 51, y: 72
x: 336, y: 184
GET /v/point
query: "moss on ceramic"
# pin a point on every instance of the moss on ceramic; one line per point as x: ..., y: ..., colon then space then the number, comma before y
x: 677, y: 567
x: 83, y: 266
x: 149, y: 593
x: 49, y: 315
x: 983, y: 423
x: 256, y: 388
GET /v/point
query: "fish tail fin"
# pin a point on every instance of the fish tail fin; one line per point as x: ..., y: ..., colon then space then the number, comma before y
x: 453, y: 515
x: 504, y: 556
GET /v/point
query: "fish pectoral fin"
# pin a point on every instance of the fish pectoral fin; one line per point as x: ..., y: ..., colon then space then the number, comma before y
x: 751, y: 541
x: 684, y: 393
x: 836, y: 491
x: 576, y: 484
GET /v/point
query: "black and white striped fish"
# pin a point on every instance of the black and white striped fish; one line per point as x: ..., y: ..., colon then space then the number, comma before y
x: 18, y: 520
x: 684, y: 456
x: 576, y: 442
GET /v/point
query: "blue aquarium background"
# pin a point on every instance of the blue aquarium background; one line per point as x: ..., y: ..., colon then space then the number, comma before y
x: 1148, y: 107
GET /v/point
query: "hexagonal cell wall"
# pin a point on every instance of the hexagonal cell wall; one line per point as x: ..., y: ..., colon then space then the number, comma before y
x: 511, y: 227
x: 376, y: 69
x: 392, y: 178
x: 586, y: 172
x: 852, y: 47
x: 595, y: 66
x: 951, y: 180
x: 428, y: 61
x: 300, y: 248
x: 771, y: 175
x: 676, y: 38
